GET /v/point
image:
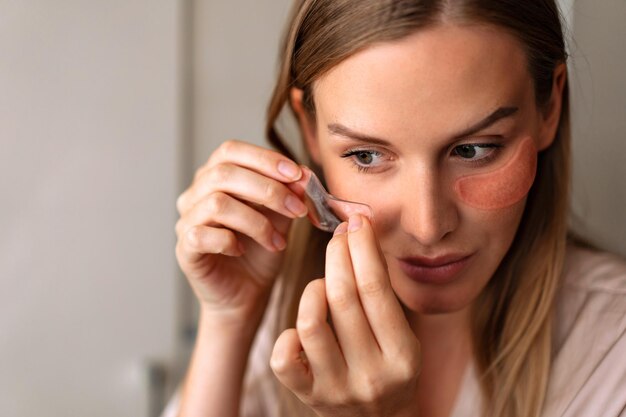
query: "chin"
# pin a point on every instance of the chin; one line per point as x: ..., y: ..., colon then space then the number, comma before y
x: 434, y: 305
x: 430, y: 299
x: 438, y: 300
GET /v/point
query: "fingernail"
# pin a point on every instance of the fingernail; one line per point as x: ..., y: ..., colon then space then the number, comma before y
x: 354, y: 223
x: 341, y: 229
x: 289, y: 170
x: 295, y: 206
x: 278, y: 241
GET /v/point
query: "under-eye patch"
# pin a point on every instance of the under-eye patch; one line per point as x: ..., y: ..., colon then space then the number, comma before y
x: 326, y: 212
x: 505, y: 185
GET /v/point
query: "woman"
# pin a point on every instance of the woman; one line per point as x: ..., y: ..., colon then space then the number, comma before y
x: 464, y: 294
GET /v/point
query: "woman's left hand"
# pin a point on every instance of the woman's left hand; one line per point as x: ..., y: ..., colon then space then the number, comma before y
x: 368, y: 362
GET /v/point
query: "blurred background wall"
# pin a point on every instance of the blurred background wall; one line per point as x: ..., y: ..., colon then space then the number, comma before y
x: 90, y: 133
x: 106, y: 110
x: 598, y: 87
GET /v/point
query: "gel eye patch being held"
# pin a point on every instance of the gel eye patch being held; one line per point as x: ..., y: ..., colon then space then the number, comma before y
x: 503, y: 186
x: 326, y: 212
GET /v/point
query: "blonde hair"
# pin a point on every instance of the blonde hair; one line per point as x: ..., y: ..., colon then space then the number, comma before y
x: 513, y: 317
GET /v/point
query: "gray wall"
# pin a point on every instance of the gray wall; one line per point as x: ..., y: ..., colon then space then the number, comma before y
x: 235, y: 59
x: 598, y: 86
x: 89, y: 133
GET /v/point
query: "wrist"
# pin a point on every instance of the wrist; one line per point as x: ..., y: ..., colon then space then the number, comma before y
x: 226, y: 326
x: 231, y: 322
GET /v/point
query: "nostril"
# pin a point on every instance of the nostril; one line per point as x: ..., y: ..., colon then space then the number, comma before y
x: 429, y: 224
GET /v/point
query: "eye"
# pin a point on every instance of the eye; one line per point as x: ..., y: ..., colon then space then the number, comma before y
x: 363, y: 159
x: 477, y: 152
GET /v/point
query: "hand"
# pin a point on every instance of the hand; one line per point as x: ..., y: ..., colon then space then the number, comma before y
x: 369, y: 364
x: 232, y: 228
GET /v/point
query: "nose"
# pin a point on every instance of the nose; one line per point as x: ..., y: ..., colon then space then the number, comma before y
x: 428, y: 212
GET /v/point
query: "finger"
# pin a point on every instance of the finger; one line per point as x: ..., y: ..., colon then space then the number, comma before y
x: 290, y: 365
x: 245, y: 185
x: 380, y: 304
x: 200, y: 240
x: 264, y: 161
x: 299, y: 187
x: 318, y: 340
x: 221, y: 210
x: 351, y: 327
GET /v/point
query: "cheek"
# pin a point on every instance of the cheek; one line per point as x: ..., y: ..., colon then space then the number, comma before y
x: 506, y: 185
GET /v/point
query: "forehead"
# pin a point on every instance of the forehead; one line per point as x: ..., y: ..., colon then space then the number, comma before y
x: 438, y: 73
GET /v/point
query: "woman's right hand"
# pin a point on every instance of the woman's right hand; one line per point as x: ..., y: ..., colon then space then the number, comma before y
x: 234, y: 219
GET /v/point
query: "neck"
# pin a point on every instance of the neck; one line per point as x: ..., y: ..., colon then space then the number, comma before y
x: 450, y: 332
x: 446, y: 346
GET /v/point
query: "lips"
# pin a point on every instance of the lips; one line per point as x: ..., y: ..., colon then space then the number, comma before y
x: 435, y: 262
x: 440, y: 270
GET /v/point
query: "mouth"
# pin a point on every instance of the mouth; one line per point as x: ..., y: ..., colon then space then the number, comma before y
x: 439, y: 270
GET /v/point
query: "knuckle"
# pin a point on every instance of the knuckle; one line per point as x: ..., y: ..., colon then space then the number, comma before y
x: 270, y: 193
x: 216, y: 203
x: 263, y: 228
x: 267, y: 156
x: 201, y: 171
x: 227, y: 242
x: 193, y: 236
x: 411, y: 367
x: 371, y: 388
x: 340, y: 297
x: 332, y: 395
x: 228, y: 147
x: 279, y: 363
x: 407, y: 364
x: 308, y: 326
x: 371, y: 287
x: 219, y: 173
x: 181, y: 255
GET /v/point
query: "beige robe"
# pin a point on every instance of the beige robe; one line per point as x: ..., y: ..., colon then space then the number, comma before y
x: 588, y: 375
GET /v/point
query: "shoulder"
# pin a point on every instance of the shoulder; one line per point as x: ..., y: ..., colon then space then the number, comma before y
x: 592, y: 290
x: 591, y: 297
x: 594, y: 271
x: 588, y: 375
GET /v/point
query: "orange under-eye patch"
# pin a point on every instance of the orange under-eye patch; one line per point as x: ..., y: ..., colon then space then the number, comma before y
x: 503, y: 186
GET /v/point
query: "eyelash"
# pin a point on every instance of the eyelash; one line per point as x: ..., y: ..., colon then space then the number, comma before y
x: 355, y: 152
x: 483, y: 161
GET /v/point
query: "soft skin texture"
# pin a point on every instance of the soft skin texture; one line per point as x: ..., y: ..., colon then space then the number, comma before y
x: 417, y: 94
x: 367, y: 363
x: 504, y: 186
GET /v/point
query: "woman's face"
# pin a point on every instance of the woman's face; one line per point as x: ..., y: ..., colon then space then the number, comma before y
x: 397, y: 127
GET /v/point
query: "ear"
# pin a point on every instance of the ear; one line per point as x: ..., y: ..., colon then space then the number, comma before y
x: 308, y: 129
x: 551, y: 115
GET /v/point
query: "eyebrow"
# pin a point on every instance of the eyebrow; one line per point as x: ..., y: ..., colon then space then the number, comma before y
x: 501, y: 113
